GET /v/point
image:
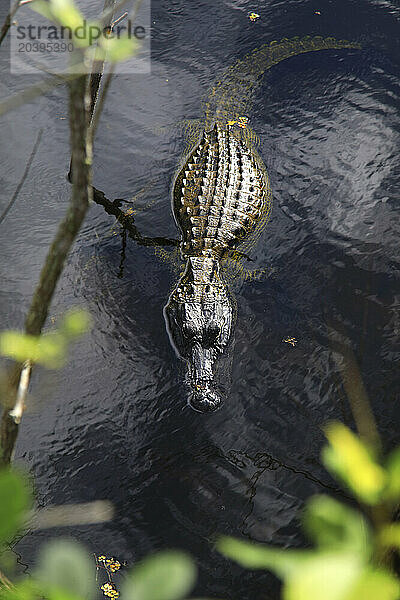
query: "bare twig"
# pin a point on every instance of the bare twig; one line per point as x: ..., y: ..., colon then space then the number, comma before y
x: 34, y: 91
x: 81, y: 112
x: 100, y: 104
x: 65, y: 515
x: 97, y: 71
x: 98, y: 65
x: 114, y: 23
x: 17, y: 412
x: 5, y: 582
x: 58, y: 252
x: 24, y: 176
x: 354, y: 386
x: 7, y: 23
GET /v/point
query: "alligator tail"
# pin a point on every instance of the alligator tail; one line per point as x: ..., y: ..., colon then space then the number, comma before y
x: 231, y: 96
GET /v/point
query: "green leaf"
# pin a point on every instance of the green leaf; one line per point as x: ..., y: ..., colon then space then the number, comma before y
x: 389, y: 535
x: 15, y: 500
x: 258, y: 556
x: 328, y: 576
x: 26, y: 589
x: 67, y: 13
x: 334, y: 526
x: 375, y: 585
x: 65, y: 567
x: 392, y: 491
x: 349, y: 459
x: 118, y: 50
x: 168, y: 575
x: 43, y: 8
x: 76, y: 322
x: 48, y: 350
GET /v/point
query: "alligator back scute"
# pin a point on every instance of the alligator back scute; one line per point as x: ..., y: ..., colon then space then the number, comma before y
x: 219, y: 194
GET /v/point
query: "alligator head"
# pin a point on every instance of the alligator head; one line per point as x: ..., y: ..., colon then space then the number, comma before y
x: 199, y: 316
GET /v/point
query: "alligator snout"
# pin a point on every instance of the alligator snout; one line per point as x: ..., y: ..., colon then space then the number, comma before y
x: 204, y: 399
x: 199, y: 316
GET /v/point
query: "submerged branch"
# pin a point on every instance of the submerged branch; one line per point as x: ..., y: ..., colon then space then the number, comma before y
x: 24, y: 176
x: 112, y: 208
x: 35, y: 91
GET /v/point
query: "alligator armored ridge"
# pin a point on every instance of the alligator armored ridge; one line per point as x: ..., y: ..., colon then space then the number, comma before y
x: 221, y: 196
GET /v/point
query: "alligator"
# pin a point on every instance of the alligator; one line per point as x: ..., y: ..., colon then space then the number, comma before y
x: 221, y: 195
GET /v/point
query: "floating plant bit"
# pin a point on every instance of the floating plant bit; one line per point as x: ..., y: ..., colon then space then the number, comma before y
x: 109, y: 590
x: 110, y: 565
x: 241, y: 122
x: 290, y: 340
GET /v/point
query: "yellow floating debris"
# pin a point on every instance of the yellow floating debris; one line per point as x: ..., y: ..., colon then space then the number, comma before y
x: 241, y: 122
x: 253, y: 16
x: 290, y: 340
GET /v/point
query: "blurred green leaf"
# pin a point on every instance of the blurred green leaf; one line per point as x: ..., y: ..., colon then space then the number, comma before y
x: 168, y: 575
x: 334, y: 526
x: 15, y: 500
x: 8, y: 560
x: 43, y: 8
x: 76, y: 322
x: 66, y: 569
x: 26, y: 589
x: 389, y: 536
x: 258, y: 556
x: 392, y: 491
x: 375, y: 585
x: 66, y: 14
x: 48, y: 350
x: 349, y: 459
x: 117, y: 50
x: 328, y: 576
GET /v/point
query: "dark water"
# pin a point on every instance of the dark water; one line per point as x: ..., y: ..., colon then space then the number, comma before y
x: 115, y: 423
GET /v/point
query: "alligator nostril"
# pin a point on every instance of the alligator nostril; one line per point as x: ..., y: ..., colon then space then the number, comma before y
x: 204, y: 400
